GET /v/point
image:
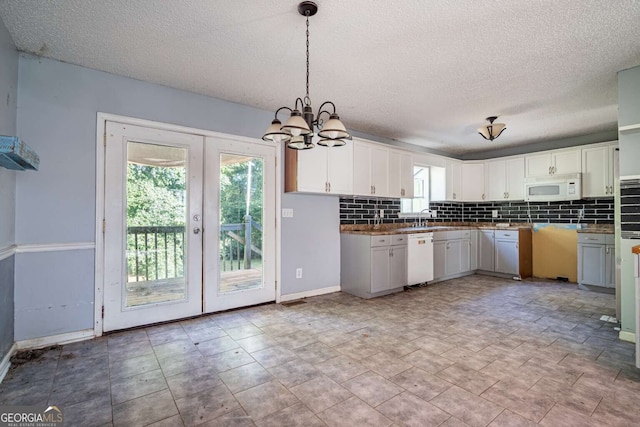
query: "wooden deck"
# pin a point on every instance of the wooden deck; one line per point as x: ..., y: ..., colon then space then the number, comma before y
x: 153, y: 292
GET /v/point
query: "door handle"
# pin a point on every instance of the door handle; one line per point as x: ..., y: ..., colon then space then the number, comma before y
x: 196, y: 230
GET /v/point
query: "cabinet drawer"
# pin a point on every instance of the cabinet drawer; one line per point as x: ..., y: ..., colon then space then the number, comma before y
x: 380, y: 240
x: 592, y: 238
x: 399, y: 239
x: 506, y: 234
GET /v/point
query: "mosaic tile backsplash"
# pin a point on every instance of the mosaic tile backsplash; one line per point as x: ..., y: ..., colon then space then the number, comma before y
x: 361, y: 210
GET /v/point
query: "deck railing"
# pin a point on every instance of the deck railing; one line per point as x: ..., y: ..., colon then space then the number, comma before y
x: 157, y: 252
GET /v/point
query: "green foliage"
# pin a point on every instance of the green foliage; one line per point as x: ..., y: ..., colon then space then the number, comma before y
x: 155, y: 196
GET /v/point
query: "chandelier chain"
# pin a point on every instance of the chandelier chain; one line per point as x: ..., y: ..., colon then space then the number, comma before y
x: 307, y: 97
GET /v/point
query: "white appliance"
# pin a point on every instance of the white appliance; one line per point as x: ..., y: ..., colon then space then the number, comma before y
x: 636, y: 273
x: 419, y: 258
x: 553, y: 188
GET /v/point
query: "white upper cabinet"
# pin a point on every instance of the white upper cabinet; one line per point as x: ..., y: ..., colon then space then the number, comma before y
x: 454, y: 180
x: 504, y: 179
x: 557, y: 162
x: 597, y: 175
x: 312, y: 169
x: 370, y: 169
x: 473, y: 182
x: 400, y: 174
x: 379, y: 171
x: 324, y: 170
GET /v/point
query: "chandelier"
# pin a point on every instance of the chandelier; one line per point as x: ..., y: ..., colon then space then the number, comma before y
x: 492, y: 130
x: 299, y: 128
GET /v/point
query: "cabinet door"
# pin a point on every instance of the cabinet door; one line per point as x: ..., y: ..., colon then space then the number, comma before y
x: 379, y: 171
x: 485, y: 250
x: 312, y: 170
x: 465, y: 255
x: 591, y: 264
x: 361, y: 168
x: 379, y: 269
x: 454, y: 180
x: 595, y: 175
x: 473, y: 182
x: 395, y: 166
x: 473, y: 250
x: 610, y: 266
x: 406, y: 175
x: 453, y: 261
x: 567, y: 161
x: 339, y: 169
x: 506, y: 258
x: 538, y: 164
x: 439, y: 258
x: 398, y: 267
x: 495, y: 185
x: 514, y: 172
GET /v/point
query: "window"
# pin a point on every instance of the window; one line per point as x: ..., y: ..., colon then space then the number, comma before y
x: 421, y: 192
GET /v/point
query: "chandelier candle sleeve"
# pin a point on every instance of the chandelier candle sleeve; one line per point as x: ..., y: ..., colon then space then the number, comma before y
x: 298, y: 130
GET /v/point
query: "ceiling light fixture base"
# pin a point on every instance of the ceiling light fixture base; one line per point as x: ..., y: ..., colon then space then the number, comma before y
x: 492, y: 130
x: 307, y: 8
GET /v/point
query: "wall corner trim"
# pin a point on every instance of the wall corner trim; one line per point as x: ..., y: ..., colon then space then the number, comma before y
x: 60, y: 339
x: 7, y: 252
x: 311, y: 293
x: 5, y: 364
x: 627, y: 336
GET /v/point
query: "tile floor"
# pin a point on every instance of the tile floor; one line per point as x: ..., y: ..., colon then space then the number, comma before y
x: 474, y: 351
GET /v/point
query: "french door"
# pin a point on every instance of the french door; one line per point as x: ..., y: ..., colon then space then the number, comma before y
x: 178, y: 240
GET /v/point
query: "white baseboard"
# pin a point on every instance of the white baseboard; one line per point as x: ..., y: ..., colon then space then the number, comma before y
x: 312, y: 293
x: 627, y: 336
x: 5, y: 364
x: 67, y: 338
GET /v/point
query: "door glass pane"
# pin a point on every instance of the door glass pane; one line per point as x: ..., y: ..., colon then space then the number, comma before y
x: 156, y: 218
x: 241, y: 220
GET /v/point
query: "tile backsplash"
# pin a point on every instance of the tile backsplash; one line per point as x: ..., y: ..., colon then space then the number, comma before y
x: 361, y: 210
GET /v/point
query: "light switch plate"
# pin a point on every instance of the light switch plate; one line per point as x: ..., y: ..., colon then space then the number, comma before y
x: 287, y: 213
x: 494, y: 213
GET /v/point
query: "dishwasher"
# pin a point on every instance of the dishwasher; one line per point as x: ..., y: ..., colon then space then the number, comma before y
x: 419, y: 258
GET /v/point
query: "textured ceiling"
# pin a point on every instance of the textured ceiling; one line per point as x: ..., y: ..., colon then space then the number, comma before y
x: 422, y: 72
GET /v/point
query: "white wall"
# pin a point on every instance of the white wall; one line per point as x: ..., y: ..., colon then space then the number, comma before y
x: 57, y: 109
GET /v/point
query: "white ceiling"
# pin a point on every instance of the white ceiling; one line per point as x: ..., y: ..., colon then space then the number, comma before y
x: 422, y: 72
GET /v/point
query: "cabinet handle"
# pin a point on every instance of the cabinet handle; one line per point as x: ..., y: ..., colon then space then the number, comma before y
x: 454, y: 196
x: 507, y: 194
x: 329, y: 187
x: 390, y: 252
x: 402, y: 191
x: 549, y: 170
x: 482, y: 196
x: 608, y: 250
x: 374, y: 189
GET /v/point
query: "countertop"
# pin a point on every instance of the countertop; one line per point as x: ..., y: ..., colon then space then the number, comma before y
x: 598, y: 229
x: 386, y: 229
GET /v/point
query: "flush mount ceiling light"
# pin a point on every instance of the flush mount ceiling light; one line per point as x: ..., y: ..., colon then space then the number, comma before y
x: 299, y: 128
x: 492, y: 130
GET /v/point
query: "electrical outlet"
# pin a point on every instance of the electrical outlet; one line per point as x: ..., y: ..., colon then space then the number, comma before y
x: 434, y: 214
x: 298, y: 273
x: 381, y: 213
x: 580, y: 213
x: 494, y: 213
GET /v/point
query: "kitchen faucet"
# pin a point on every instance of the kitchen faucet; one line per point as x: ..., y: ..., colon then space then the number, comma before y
x: 422, y: 223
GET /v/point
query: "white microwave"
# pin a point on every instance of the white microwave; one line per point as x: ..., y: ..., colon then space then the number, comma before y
x: 553, y: 188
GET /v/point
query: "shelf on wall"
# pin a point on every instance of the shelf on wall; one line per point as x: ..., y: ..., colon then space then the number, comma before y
x: 16, y: 155
x: 629, y: 128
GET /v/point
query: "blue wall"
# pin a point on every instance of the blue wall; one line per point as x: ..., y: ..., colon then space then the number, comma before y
x: 8, y: 90
x: 57, y: 108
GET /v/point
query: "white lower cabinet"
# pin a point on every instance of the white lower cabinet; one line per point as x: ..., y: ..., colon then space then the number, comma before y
x: 506, y: 252
x: 371, y: 266
x: 452, y: 253
x: 596, y: 260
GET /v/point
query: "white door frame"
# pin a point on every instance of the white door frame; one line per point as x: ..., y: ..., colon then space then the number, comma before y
x: 102, y: 118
